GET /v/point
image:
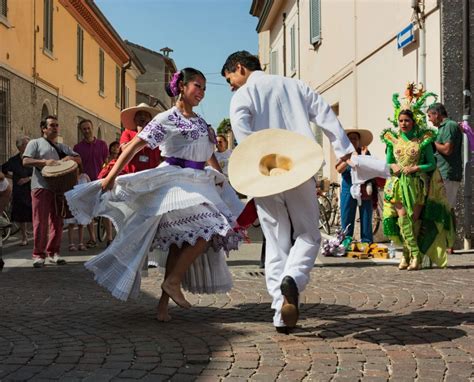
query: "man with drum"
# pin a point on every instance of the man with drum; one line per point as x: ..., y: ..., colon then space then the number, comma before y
x: 94, y: 153
x: 41, y: 152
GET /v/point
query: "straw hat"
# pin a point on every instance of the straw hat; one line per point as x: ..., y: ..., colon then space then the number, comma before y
x: 366, y: 136
x: 127, y: 115
x: 272, y: 161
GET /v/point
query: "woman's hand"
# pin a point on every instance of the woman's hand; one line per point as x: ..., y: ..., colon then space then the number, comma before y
x: 107, y: 183
x: 410, y: 169
x: 395, y: 168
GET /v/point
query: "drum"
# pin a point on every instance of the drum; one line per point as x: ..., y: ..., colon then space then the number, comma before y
x: 61, y: 177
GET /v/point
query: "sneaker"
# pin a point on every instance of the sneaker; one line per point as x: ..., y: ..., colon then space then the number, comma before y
x: 38, y: 263
x: 56, y: 259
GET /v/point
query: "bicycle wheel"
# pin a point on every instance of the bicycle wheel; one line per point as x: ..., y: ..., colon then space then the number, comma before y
x: 376, y: 219
x: 101, y: 231
x: 324, y: 214
x: 6, y: 231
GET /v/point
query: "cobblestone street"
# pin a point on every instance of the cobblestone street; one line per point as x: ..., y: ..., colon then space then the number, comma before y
x: 360, y: 320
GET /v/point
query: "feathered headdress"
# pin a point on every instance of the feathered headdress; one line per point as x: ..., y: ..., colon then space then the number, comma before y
x: 414, y: 99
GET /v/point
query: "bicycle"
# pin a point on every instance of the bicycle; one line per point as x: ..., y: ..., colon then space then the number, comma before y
x: 329, y: 214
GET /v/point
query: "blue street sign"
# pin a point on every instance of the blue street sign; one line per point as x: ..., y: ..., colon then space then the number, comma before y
x: 405, y: 37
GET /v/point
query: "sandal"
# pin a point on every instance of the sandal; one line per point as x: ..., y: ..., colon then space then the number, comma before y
x: 72, y: 248
x: 91, y: 244
x: 82, y: 247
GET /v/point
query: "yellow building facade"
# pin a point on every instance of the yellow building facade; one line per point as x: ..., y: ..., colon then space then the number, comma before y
x: 61, y: 57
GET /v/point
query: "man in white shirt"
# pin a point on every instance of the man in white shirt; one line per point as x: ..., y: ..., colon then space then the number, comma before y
x: 263, y: 101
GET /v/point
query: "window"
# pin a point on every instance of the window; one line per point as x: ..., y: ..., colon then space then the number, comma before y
x: 3, y: 8
x: 4, y: 119
x: 48, y: 26
x: 117, y: 86
x: 80, y: 52
x: 292, y: 49
x: 101, y: 72
x: 315, y: 21
x: 274, y: 62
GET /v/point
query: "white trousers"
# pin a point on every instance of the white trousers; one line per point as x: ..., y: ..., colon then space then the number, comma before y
x: 297, y: 208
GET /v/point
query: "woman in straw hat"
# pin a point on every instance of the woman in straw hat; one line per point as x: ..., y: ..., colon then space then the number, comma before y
x: 416, y: 211
x: 360, y: 139
x: 176, y: 206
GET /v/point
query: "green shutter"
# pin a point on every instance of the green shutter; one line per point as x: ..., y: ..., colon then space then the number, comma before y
x: 315, y: 21
x: 3, y: 8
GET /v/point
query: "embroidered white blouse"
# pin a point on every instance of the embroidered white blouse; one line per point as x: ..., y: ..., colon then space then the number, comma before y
x: 180, y: 137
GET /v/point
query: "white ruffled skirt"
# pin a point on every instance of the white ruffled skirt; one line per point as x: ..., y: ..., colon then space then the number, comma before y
x: 154, y: 209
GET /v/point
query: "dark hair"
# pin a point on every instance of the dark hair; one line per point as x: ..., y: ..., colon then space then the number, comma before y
x: 84, y: 121
x: 112, y: 144
x: 223, y: 137
x: 44, y: 122
x: 438, y: 108
x: 243, y: 58
x: 408, y: 113
x: 185, y: 75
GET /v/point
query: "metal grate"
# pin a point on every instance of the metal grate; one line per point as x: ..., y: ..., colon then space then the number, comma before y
x: 5, y: 119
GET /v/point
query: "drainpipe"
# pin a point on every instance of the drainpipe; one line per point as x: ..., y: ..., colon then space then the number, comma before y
x: 284, y: 44
x: 298, y: 44
x: 122, y: 87
x: 466, y: 116
x: 422, y: 51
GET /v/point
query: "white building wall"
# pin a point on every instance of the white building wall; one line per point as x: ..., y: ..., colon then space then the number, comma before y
x: 357, y: 66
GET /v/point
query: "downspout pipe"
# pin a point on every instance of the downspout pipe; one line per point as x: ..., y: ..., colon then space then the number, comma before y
x: 299, y: 42
x: 123, y: 71
x: 468, y: 167
x: 284, y: 44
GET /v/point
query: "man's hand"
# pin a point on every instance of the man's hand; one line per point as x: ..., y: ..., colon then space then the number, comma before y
x: 51, y: 162
x: 364, y: 150
x: 345, y: 158
x: 23, y: 181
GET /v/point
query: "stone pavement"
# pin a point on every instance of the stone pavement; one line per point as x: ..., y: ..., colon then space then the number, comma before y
x: 361, y: 320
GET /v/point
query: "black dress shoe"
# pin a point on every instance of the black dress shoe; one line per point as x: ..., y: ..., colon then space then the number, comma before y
x: 282, y: 329
x: 2, y: 264
x: 289, y: 310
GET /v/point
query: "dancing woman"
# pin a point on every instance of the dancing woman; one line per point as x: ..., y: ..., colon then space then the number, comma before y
x: 177, y: 206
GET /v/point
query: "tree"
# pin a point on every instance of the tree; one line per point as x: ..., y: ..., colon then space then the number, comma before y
x: 224, y: 126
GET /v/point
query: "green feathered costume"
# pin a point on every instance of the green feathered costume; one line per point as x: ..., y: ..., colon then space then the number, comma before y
x: 434, y: 231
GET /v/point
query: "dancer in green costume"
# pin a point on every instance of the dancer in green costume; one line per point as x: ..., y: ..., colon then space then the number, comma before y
x: 416, y: 212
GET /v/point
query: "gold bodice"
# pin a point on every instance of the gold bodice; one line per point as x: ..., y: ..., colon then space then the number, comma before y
x: 407, y: 153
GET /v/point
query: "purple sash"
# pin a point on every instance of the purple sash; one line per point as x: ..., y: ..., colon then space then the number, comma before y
x: 184, y: 163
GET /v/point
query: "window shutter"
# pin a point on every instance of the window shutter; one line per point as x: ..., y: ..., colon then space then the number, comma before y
x: 293, y: 48
x: 274, y: 62
x: 101, y: 71
x: 3, y: 8
x: 315, y: 21
x: 80, y: 51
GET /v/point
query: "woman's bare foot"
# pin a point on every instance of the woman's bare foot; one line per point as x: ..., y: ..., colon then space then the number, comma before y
x: 163, y: 314
x: 174, y: 291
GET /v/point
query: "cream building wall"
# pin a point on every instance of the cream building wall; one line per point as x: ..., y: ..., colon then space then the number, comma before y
x: 357, y: 66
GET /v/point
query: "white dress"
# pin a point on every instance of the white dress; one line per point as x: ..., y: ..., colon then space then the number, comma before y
x: 163, y: 206
x: 81, y: 179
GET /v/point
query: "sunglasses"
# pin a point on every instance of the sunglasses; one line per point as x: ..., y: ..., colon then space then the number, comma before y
x: 53, y: 125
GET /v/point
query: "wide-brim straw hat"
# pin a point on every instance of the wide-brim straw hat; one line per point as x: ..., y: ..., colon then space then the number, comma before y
x: 366, y: 136
x: 272, y: 161
x: 127, y: 115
